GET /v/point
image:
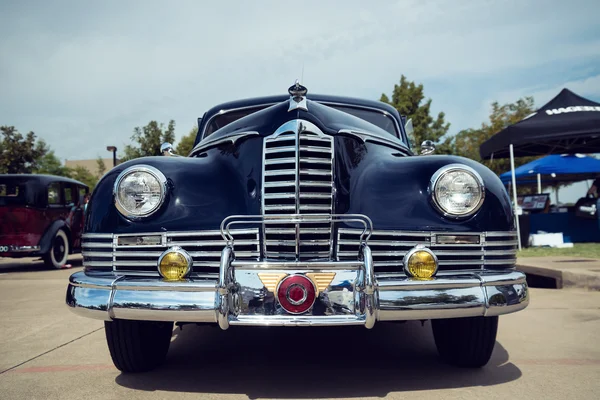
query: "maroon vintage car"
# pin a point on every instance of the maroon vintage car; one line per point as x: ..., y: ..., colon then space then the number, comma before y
x: 41, y: 215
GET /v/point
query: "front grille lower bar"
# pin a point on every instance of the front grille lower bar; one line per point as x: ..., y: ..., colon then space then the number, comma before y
x: 102, y: 250
x: 494, y: 250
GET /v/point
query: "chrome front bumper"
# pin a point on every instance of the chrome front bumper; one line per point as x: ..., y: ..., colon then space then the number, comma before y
x: 353, y: 297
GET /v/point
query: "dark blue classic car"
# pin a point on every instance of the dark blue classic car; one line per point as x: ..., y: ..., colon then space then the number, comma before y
x: 298, y: 211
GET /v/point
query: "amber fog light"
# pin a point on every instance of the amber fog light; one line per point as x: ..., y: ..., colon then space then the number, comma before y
x: 174, y: 264
x: 420, y: 263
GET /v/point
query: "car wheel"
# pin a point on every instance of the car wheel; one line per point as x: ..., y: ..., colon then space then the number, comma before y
x: 465, y: 342
x: 138, y: 346
x: 59, y: 251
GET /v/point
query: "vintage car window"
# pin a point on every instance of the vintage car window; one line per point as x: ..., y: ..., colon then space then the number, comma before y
x: 68, y: 195
x: 222, y: 120
x: 9, y: 190
x: 54, y: 193
x: 375, y: 117
x: 11, y: 194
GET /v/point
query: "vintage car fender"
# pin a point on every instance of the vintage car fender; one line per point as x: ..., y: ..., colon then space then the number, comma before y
x: 46, y: 240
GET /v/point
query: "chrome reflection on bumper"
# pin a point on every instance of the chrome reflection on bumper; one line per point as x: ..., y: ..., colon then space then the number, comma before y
x: 354, y: 297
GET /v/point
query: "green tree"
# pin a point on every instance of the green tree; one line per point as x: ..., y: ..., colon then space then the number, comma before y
x: 82, y: 174
x: 466, y: 142
x: 20, y: 154
x: 101, y: 166
x: 186, y: 144
x: 51, y: 165
x: 148, y: 140
x: 409, y: 99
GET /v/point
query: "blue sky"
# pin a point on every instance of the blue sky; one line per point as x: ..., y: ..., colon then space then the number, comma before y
x: 83, y: 74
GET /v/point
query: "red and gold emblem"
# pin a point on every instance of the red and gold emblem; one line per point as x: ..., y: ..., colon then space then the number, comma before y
x: 296, y: 293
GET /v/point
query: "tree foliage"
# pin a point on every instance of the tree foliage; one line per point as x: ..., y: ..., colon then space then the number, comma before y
x: 148, y: 139
x: 408, y: 98
x: 186, y: 144
x: 51, y: 165
x: 101, y: 166
x: 82, y: 174
x: 466, y: 142
x: 20, y: 154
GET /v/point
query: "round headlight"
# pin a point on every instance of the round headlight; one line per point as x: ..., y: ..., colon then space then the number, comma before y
x: 139, y: 191
x: 457, y: 190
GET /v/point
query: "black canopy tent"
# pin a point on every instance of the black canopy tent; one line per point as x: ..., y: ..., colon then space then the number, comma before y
x: 566, y: 124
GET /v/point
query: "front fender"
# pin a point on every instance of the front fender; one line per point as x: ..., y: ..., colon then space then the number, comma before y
x: 46, y: 239
x: 392, y: 190
x: 202, y: 191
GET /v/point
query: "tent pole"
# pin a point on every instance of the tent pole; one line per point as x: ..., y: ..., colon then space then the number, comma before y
x: 539, y: 183
x: 514, y: 190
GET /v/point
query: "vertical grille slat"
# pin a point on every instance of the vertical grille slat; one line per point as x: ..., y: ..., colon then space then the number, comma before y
x: 298, y: 183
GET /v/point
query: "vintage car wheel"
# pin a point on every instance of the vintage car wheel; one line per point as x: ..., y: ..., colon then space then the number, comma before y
x: 465, y: 342
x: 138, y: 346
x: 59, y: 251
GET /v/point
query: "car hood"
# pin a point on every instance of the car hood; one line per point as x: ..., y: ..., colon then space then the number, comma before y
x: 328, y: 119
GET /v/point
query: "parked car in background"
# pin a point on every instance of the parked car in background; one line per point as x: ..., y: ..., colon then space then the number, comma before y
x: 299, y: 210
x: 41, y: 215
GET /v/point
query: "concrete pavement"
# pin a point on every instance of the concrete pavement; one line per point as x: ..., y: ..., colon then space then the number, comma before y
x: 550, y: 350
x: 568, y: 272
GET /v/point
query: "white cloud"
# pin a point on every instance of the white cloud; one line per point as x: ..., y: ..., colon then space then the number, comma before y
x: 587, y: 87
x: 83, y: 74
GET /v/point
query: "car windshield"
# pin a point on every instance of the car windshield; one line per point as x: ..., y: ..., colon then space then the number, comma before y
x: 375, y: 117
x: 12, y: 193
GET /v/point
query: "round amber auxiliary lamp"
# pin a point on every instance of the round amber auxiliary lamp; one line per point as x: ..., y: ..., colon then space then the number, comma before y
x: 420, y: 263
x: 174, y: 264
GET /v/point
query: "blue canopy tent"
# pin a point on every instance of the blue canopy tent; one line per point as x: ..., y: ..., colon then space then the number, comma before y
x: 552, y: 170
x: 556, y: 168
x: 566, y: 124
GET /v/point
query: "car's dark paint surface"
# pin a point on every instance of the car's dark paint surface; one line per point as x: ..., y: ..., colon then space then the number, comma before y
x: 32, y: 221
x: 380, y: 181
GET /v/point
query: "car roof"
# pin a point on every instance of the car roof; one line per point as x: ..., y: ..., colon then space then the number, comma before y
x: 41, y: 178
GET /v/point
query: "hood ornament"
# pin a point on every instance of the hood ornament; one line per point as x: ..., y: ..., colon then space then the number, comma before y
x: 297, y: 97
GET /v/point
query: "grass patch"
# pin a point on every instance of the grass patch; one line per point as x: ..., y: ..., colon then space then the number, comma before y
x: 587, y: 250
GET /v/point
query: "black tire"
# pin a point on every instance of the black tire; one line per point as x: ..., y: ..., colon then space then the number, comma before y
x: 58, y: 254
x: 138, y: 346
x: 465, y: 342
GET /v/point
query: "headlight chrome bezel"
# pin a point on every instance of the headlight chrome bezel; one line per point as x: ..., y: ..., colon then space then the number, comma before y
x: 156, y: 173
x: 435, y: 178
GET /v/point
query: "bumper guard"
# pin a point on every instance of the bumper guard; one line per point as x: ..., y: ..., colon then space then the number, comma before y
x: 355, y: 297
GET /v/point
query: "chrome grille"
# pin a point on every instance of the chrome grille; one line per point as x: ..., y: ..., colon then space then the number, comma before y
x: 102, y: 251
x: 298, y: 179
x: 494, y: 250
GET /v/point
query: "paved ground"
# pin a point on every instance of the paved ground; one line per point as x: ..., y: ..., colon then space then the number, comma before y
x: 569, y: 272
x: 548, y: 351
